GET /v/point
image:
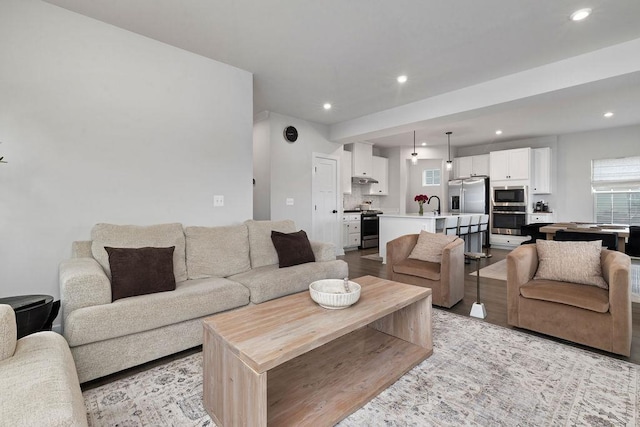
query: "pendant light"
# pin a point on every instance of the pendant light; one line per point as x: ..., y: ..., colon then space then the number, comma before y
x: 449, y: 162
x: 414, y: 155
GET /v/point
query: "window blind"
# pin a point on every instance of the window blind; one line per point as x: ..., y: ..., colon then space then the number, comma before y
x: 616, y: 190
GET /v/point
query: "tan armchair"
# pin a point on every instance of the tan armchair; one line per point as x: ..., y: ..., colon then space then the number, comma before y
x: 589, y: 315
x: 445, y: 279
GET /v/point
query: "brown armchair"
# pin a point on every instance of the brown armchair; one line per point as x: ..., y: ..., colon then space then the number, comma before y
x: 446, y: 279
x: 584, y: 314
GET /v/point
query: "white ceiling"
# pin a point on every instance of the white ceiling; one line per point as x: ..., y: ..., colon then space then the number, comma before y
x: 305, y: 53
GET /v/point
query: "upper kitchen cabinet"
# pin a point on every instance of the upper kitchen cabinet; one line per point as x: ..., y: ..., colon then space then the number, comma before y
x: 509, y: 165
x: 346, y: 171
x: 381, y: 174
x: 465, y: 167
x: 362, y: 160
x: 541, y: 175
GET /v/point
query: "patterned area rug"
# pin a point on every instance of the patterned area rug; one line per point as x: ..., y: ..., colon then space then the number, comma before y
x: 479, y: 375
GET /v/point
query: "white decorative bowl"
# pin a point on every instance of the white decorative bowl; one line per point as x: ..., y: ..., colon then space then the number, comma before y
x: 331, y: 293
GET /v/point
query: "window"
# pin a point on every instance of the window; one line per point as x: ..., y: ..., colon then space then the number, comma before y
x: 430, y: 177
x: 615, y: 184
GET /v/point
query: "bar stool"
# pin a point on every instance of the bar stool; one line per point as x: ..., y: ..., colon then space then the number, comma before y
x: 484, y: 230
x: 474, y: 232
x: 451, y: 225
x: 463, y: 229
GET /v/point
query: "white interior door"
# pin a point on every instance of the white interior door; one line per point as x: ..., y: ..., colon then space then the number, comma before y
x: 325, y: 216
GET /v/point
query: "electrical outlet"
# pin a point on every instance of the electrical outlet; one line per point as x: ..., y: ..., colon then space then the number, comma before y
x: 218, y: 201
x: 289, y: 201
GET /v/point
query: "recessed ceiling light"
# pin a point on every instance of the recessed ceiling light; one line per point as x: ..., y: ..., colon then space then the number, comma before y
x: 498, y: 132
x: 402, y: 79
x: 581, y: 14
x: 327, y: 106
x: 424, y: 144
x: 608, y: 114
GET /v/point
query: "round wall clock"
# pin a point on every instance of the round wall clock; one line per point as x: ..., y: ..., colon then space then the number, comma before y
x: 290, y: 134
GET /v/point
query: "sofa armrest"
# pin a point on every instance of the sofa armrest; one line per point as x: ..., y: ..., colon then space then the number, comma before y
x: 615, y: 270
x: 323, y: 251
x: 8, y: 332
x: 522, y: 264
x: 83, y: 283
x: 399, y: 249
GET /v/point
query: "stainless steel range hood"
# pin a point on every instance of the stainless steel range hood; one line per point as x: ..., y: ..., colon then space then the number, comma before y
x: 356, y: 180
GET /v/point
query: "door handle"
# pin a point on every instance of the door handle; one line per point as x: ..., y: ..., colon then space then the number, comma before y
x: 334, y: 211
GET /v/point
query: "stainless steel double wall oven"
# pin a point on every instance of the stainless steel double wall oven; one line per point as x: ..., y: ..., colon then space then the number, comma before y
x: 508, y: 209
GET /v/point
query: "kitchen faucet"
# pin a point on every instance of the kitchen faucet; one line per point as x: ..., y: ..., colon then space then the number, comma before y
x: 429, y: 201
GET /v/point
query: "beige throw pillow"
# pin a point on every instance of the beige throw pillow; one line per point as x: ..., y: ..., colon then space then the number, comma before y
x: 430, y: 245
x: 574, y: 262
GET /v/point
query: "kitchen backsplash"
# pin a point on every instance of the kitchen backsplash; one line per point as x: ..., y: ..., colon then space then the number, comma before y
x: 353, y: 200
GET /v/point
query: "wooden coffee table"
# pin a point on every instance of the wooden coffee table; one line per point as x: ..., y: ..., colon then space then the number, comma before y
x: 291, y: 362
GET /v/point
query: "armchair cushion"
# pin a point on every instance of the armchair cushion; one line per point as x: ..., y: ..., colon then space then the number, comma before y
x: 8, y: 332
x: 575, y: 262
x: 430, y: 246
x: 587, y: 297
x: 415, y: 267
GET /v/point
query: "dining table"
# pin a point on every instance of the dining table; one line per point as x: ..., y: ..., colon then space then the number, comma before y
x: 621, y: 229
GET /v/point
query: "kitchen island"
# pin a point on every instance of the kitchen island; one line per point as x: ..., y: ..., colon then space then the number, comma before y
x: 396, y: 225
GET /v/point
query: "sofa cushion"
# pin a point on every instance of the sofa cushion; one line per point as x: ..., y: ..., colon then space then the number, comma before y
x: 40, y: 385
x: 134, y: 236
x: 217, y: 251
x: 415, y: 267
x: 292, y: 248
x: 270, y: 281
x: 261, y: 249
x: 191, y: 299
x: 430, y: 245
x: 588, y: 297
x: 573, y: 262
x: 140, y: 271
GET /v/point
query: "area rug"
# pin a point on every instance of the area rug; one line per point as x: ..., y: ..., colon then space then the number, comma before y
x: 374, y: 257
x: 479, y: 375
x: 497, y: 270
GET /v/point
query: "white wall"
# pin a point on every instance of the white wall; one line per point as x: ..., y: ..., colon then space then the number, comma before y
x: 102, y: 125
x: 291, y: 167
x: 414, y: 186
x: 262, y: 169
x: 574, y: 155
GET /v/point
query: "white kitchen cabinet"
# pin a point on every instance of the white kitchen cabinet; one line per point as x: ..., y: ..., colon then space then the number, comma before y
x: 507, y: 241
x: 346, y: 172
x: 362, y: 160
x: 508, y: 165
x: 350, y: 230
x: 541, y: 174
x: 465, y: 167
x: 538, y: 217
x: 381, y: 174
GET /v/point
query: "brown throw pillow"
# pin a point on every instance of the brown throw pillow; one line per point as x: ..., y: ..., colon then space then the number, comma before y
x: 292, y: 248
x: 574, y: 262
x: 140, y: 271
x: 430, y: 245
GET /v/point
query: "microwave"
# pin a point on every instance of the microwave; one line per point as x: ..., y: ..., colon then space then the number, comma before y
x: 509, y: 196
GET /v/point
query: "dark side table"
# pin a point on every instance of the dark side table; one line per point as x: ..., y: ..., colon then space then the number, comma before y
x: 32, y: 312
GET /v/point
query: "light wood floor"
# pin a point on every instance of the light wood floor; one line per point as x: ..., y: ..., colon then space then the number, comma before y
x: 492, y: 292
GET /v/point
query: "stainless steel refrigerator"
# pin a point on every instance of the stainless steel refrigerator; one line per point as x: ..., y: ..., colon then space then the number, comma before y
x: 470, y: 195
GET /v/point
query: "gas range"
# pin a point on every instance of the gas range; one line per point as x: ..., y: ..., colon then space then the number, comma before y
x: 364, y: 213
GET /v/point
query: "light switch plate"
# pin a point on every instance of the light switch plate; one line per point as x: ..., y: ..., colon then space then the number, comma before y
x: 289, y: 201
x: 218, y: 201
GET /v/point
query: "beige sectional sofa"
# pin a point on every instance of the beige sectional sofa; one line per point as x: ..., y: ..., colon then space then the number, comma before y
x: 38, y: 381
x: 216, y: 269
